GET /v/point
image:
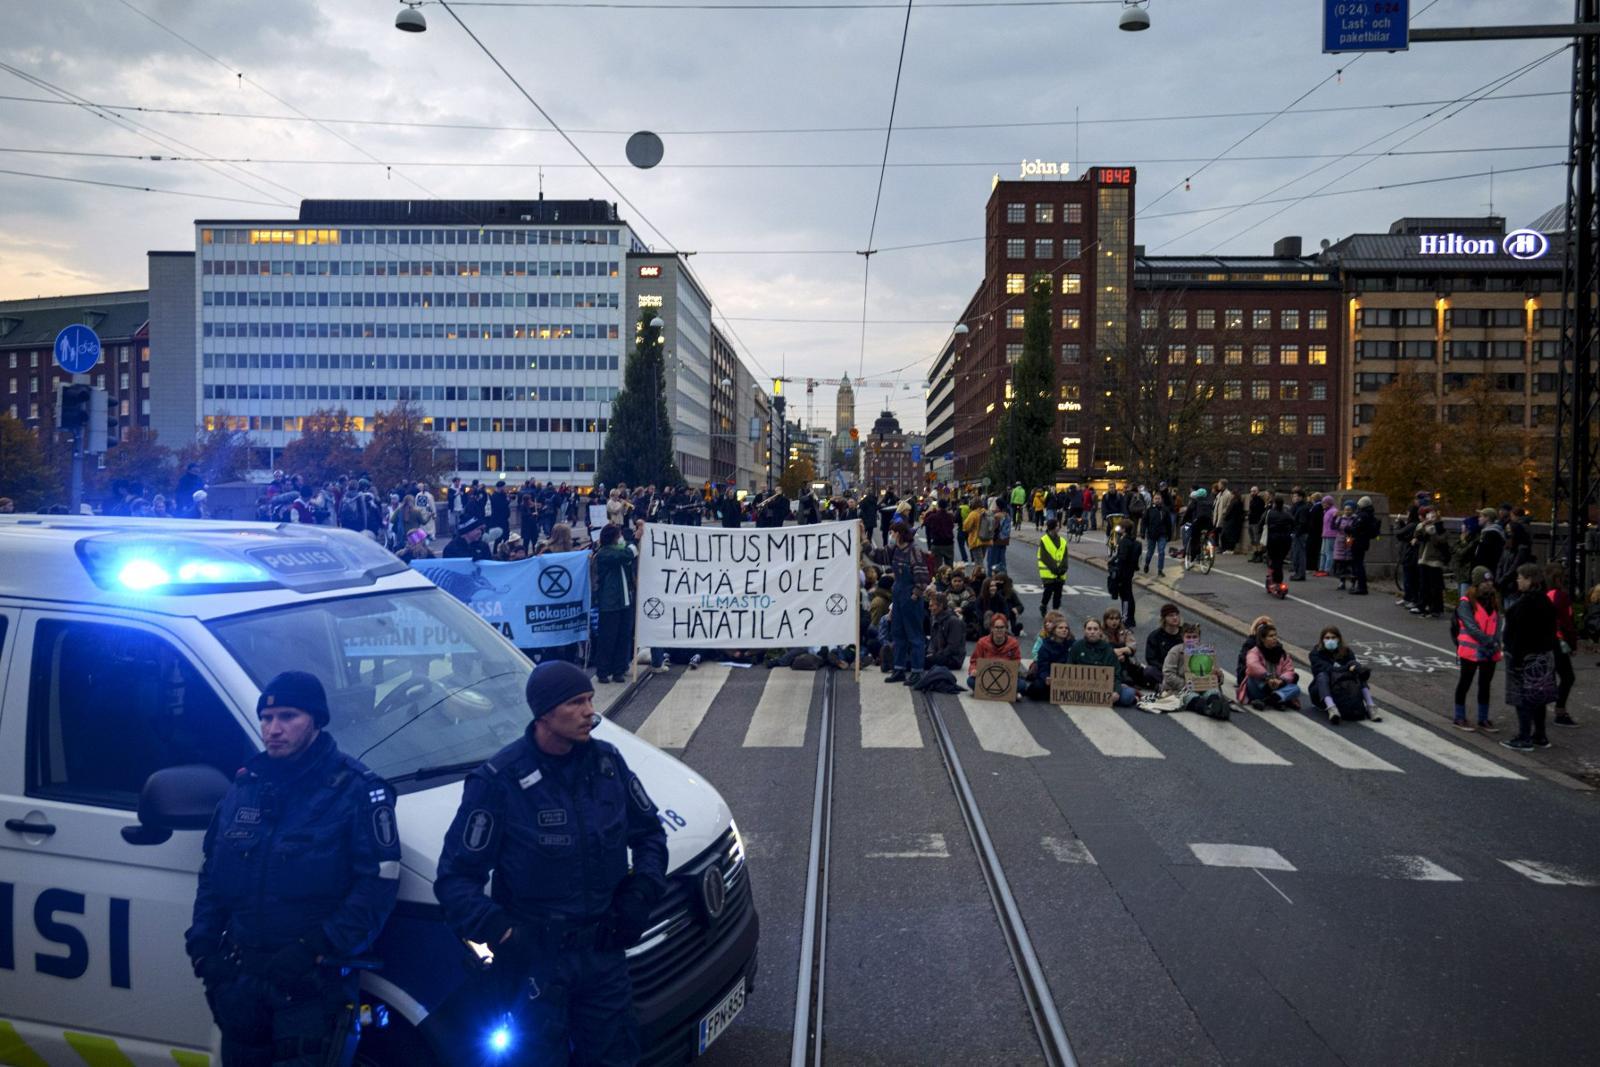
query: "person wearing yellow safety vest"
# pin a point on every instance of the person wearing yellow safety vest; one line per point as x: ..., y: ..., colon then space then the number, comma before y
x: 1052, y: 565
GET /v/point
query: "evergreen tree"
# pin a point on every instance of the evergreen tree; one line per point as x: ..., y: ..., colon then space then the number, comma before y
x: 639, y: 439
x: 1025, y: 443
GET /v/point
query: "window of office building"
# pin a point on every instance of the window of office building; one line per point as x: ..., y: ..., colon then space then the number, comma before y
x: 1016, y: 213
x: 1071, y: 318
x: 1071, y: 352
x: 1015, y: 318
x: 1288, y: 390
x: 1261, y: 319
x: 1316, y: 425
x: 1258, y: 425
x: 1178, y: 319
x: 1319, y: 390
x: 1071, y: 247
x: 1205, y: 319
x: 1317, y: 319
x: 1233, y: 355
x: 1013, y: 352
x: 1205, y: 353
x: 1177, y: 355
x: 1288, y: 425
x: 1289, y: 319
x: 1316, y: 460
x: 1044, y: 213
x: 1016, y: 248
x: 1147, y: 318
x: 1286, y: 461
x: 1233, y: 319
x: 1072, y: 213
x: 1260, y: 389
x: 1044, y: 248
x: 1016, y: 284
x: 1233, y: 389
x: 1317, y: 355
x: 1261, y: 355
x: 1071, y: 284
x: 1289, y: 355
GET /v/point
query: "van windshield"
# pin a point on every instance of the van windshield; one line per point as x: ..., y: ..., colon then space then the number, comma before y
x: 414, y: 679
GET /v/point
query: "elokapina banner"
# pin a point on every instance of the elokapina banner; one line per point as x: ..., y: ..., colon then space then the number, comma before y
x: 536, y: 602
x: 706, y: 587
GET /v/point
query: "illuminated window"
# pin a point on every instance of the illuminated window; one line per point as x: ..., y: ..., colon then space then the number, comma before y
x: 1288, y: 425
x: 1016, y: 283
x: 1319, y: 390
x: 1071, y: 353
x: 1205, y: 353
x: 1205, y: 319
x: 1261, y: 355
x: 1316, y: 425
x: 1233, y: 355
x: 1013, y: 352
x: 1071, y: 284
x: 1258, y: 425
x: 1178, y: 319
x: 1016, y: 212
x: 1289, y: 319
x: 1233, y: 319
x: 1044, y: 248
x: 1260, y: 389
x: 1072, y: 213
x: 1044, y: 213
x: 1233, y: 389
x: 1288, y: 390
x: 1148, y: 318
x: 1069, y: 456
x: 1289, y: 355
x: 1071, y: 318
x: 1177, y: 355
x: 1261, y: 319
x: 1016, y: 248
x: 1317, y: 319
x: 1316, y: 355
x: 1016, y: 318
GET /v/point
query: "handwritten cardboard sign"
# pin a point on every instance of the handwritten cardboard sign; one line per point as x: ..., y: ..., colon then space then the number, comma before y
x: 1200, y: 667
x: 1079, y: 684
x: 995, y: 679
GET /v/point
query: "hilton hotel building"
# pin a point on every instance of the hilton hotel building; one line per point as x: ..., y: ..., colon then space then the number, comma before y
x: 504, y: 319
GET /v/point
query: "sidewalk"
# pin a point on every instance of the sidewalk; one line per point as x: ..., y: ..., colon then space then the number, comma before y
x: 1419, y: 677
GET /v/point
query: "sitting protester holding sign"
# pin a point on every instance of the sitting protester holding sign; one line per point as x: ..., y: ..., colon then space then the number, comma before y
x: 1092, y: 650
x: 1054, y: 646
x: 996, y: 644
x: 1199, y: 691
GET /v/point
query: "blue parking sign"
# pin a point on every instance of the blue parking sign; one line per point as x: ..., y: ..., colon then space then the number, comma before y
x: 1366, y: 25
x: 77, y: 349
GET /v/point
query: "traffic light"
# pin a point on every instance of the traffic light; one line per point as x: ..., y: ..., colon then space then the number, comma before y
x: 72, y: 407
x: 102, y: 422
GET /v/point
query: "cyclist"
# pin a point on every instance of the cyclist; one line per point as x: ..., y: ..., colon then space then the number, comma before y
x: 1197, y: 523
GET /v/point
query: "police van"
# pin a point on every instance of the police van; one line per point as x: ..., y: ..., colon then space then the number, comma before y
x: 130, y: 647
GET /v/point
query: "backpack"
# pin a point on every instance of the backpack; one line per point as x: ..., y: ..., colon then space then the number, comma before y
x: 986, y: 526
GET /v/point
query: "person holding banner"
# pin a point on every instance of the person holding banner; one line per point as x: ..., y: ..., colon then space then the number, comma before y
x: 1179, y: 679
x: 1092, y: 650
x: 613, y: 600
x: 996, y: 644
x: 908, y: 619
x: 1055, y: 646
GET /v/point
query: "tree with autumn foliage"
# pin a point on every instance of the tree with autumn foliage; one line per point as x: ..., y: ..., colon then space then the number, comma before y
x: 401, y: 451
x: 26, y: 474
x: 325, y: 449
x: 800, y: 473
x: 139, y: 459
x: 223, y: 454
x: 1403, y: 451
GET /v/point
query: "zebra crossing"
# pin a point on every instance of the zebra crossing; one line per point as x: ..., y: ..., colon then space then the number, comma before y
x: 888, y: 718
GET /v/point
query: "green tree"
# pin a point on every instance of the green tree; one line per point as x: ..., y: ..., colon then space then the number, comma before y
x: 800, y: 473
x: 325, y: 449
x: 222, y: 453
x: 1485, y: 448
x: 1404, y: 450
x: 1025, y: 447
x: 638, y: 448
x: 401, y: 451
x: 26, y: 474
x: 140, y: 458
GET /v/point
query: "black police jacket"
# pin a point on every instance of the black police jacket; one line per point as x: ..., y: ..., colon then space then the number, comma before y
x: 556, y: 832
x: 296, y: 851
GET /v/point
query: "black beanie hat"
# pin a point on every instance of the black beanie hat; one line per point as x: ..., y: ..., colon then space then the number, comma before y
x: 296, y: 689
x: 554, y: 682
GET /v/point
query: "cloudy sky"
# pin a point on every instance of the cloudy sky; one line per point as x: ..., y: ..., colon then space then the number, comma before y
x: 774, y: 128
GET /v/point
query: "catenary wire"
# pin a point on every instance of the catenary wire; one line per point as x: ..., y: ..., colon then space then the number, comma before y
x: 141, y: 188
x: 877, y: 200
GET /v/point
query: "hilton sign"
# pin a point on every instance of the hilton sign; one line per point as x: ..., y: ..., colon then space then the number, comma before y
x: 1519, y: 244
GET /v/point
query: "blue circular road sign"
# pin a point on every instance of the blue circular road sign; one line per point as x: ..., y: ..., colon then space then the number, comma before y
x: 77, y: 349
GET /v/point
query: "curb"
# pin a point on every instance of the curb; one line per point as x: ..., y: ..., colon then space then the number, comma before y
x: 1389, y: 701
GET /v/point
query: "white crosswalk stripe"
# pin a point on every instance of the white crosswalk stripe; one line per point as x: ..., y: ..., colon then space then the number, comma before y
x: 999, y: 728
x: 1325, y: 742
x: 1258, y: 856
x: 1068, y: 850
x: 888, y: 715
x: 675, y: 718
x: 1549, y: 873
x: 1228, y: 741
x: 1425, y: 742
x: 1419, y: 869
x: 781, y: 713
x: 1108, y: 731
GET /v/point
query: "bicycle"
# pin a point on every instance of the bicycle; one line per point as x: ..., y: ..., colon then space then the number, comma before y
x: 1206, y: 558
x: 1077, y: 526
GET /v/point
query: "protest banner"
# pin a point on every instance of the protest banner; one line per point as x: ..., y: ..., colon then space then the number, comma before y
x: 597, y: 515
x: 1080, y: 684
x: 708, y: 587
x: 995, y: 679
x: 1200, y: 667
x: 536, y: 603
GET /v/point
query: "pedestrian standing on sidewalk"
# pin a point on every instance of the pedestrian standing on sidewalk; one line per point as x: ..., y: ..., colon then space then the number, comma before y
x: 1299, y: 508
x: 1255, y: 518
x: 1157, y: 532
x: 1330, y: 537
x: 1366, y: 528
x: 1555, y: 579
x: 1466, y: 554
x: 1477, y: 629
x: 1341, y: 547
x: 1433, y: 557
x: 1123, y: 567
x: 1278, y: 525
x: 1530, y: 645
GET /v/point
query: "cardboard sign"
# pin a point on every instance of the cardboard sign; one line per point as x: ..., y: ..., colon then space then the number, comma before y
x: 1079, y: 684
x: 995, y: 679
x: 1200, y: 667
x: 597, y: 515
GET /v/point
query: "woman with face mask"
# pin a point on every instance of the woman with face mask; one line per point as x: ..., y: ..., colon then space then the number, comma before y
x: 1339, y: 680
x: 1270, y: 679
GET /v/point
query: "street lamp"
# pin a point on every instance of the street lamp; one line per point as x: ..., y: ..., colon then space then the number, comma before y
x: 1134, y: 16
x: 410, y: 20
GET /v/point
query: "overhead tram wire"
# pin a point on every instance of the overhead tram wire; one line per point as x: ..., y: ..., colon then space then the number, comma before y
x: 877, y: 200
x: 759, y: 131
x: 1506, y: 80
x: 147, y: 189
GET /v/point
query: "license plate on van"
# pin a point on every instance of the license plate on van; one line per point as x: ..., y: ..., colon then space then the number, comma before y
x: 715, y: 1023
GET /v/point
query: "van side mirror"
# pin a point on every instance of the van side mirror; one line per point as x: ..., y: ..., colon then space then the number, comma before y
x: 176, y: 798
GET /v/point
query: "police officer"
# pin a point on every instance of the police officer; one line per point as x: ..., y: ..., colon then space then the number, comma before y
x: 302, y: 863
x: 553, y: 816
x: 468, y: 542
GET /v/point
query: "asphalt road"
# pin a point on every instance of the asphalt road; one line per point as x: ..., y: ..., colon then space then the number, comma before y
x: 1270, y: 890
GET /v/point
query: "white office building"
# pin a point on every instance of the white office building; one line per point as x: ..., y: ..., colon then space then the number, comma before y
x: 504, y: 319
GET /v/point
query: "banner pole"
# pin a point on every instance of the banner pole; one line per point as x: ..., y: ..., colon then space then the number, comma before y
x: 633, y: 638
x: 860, y: 648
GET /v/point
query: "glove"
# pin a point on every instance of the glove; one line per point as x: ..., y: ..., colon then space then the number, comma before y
x: 292, y: 967
x: 215, y: 968
x: 629, y: 916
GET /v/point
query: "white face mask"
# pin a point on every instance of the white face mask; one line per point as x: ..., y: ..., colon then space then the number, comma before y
x: 1331, y: 644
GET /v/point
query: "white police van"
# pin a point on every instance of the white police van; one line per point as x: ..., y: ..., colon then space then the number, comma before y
x: 132, y: 646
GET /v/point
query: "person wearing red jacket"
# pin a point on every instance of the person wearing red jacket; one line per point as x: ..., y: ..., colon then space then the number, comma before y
x: 1566, y: 638
x: 996, y: 644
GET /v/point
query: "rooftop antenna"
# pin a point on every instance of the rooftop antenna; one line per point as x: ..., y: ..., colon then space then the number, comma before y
x: 541, y: 183
x: 1491, y: 188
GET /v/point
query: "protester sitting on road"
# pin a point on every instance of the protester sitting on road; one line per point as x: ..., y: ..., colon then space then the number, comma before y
x: 960, y: 595
x: 1478, y: 629
x: 1046, y: 628
x: 1340, y: 680
x: 1555, y: 580
x: 996, y: 644
x: 993, y: 600
x: 947, y: 634
x: 1008, y: 590
x: 1125, y: 646
x: 1054, y: 646
x: 1530, y: 645
x: 1163, y: 638
x: 1175, y: 677
x: 1092, y: 650
x: 1270, y: 679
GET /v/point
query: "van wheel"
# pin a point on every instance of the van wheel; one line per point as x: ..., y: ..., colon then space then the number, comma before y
x: 396, y: 1045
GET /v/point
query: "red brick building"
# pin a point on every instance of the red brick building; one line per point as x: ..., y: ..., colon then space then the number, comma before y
x: 28, y: 372
x: 1266, y: 334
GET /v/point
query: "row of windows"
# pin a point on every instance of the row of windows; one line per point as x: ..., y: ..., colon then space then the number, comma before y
x: 1233, y: 355
x: 430, y: 331
x: 435, y: 423
x: 1502, y: 318
x: 1432, y: 283
x: 1071, y: 214
x: 513, y: 393
x: 324, y: 361
x: 1260, y: 389
x: 1234, y: 318
x: 401, y: 268
x: 99, y: 382
x: 1260, y: 460
x: 1428, y: 350
x: 252, y: 298
x: 15, y: 410
x: 476, y: 235
x: 120, y: 352
x: 1016, y: 284
x: 1043, y: 248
